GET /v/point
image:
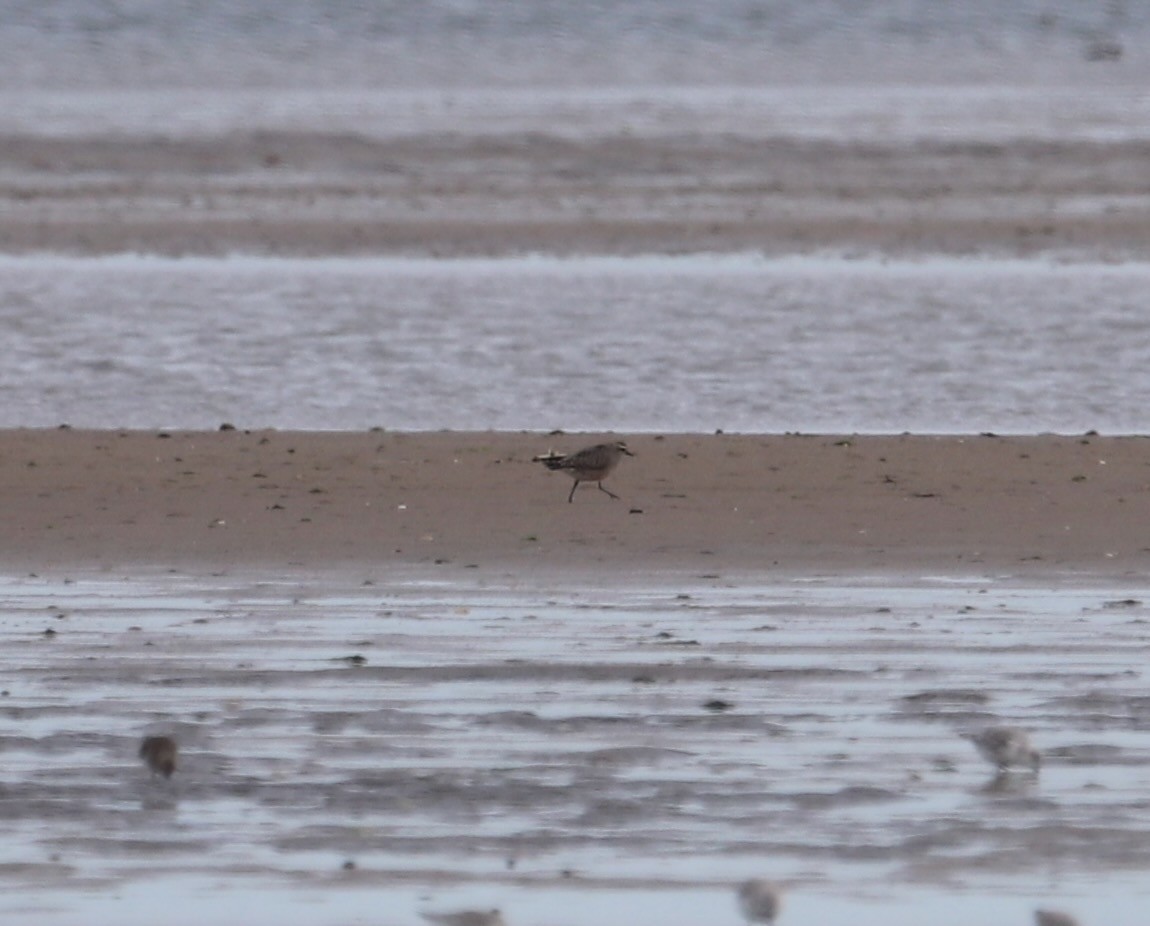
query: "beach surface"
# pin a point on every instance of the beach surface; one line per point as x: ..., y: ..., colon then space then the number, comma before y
x: 405, y: 674
x: 693, y: 503
x: 433, y: 192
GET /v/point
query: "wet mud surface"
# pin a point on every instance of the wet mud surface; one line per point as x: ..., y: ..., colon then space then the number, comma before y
x: 360, y: 749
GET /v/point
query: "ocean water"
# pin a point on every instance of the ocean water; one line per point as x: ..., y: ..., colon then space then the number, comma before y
x: 363, y: 748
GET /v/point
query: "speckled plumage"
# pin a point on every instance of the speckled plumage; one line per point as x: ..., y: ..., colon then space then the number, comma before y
x: 760, y: 900
x: 159, y: 754
x: 1006, y: 747
x: 591, y: 464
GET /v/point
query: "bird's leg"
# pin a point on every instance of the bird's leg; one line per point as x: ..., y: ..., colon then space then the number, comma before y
x: 608, y: 491
x: 571, y: 494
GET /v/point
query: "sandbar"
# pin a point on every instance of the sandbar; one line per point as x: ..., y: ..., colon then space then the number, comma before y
x: 697, y: 504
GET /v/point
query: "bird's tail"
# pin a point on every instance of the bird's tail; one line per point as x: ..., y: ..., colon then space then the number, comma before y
x: 550, y: 459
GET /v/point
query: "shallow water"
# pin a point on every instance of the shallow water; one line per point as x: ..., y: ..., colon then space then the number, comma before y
x: 81, y: 43
x: 697, y: 343
x: 548, y: 748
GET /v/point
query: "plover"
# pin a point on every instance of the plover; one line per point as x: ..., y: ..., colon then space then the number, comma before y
x: 1006, y: 747
x: 159, y: 754
x: 466, y: 918
x: 760, y: 900
x: 591, y: 464
x: 1053, y: 918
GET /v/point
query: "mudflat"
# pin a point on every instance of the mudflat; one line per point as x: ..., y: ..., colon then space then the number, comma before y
x: 694, y: 503
x: 439, y: 194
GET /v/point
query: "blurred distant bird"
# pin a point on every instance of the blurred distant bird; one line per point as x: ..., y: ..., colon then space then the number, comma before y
x: 591, y: 464
x: 1006, y: 747
x: 159, y: 754
x: 466, y: 918
x: 760, y: 900
x: 1053, y: 918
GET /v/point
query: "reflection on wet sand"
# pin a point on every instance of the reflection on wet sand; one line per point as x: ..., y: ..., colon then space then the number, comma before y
x: 1053, y: 918
x: 466, y: 918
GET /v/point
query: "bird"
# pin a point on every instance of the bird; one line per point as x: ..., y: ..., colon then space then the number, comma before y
x: 1006, y: 747
x: 760, y: 900
x: 1053, y: 918
x: 466, y: 918
x: 591, y: 464
x: 159, y: 754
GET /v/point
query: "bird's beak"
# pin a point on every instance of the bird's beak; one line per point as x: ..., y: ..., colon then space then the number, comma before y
x: 626, y: 451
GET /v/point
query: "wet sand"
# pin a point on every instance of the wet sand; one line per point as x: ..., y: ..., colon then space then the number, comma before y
x: 697, y: 504
x: 406, y: 675
x: 366, y: 747
x: 446, y: 194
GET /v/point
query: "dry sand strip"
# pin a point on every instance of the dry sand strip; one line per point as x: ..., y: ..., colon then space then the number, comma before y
x: 693, y: 503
